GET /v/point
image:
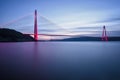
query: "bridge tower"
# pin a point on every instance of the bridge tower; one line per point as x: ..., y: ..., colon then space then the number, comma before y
x: 104, y: 34
x: 35, y: 26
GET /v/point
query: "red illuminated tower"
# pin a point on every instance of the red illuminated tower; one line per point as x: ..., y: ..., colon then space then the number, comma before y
x: 104, y: 34
x: 35, y: 26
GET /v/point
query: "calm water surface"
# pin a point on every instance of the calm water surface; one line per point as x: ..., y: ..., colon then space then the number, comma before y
x: 60, y: 61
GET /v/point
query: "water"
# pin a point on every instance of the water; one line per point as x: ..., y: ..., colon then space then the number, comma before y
x: 60, y: 61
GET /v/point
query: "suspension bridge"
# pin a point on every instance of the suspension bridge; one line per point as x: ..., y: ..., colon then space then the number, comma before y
x: 31, y: 22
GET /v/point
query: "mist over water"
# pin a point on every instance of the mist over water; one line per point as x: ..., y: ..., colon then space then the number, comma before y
x: 60, y: 60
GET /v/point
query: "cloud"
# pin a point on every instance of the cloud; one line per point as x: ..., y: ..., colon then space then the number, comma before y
x: 88, y: 27
x: 112, y: 19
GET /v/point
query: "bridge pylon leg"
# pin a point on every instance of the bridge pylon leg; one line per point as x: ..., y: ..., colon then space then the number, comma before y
x: 35, y: 26
x: 104, y: 34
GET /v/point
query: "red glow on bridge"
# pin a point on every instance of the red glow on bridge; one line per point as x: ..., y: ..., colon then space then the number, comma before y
x: 65, y: 34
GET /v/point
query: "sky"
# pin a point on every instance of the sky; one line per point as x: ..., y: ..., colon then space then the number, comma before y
x: 64, y: 16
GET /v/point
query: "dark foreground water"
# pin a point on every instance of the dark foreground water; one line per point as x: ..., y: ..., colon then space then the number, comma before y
x: 60, y: 61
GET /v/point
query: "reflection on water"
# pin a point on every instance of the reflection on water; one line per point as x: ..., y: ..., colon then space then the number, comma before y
x: 60, y: 61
